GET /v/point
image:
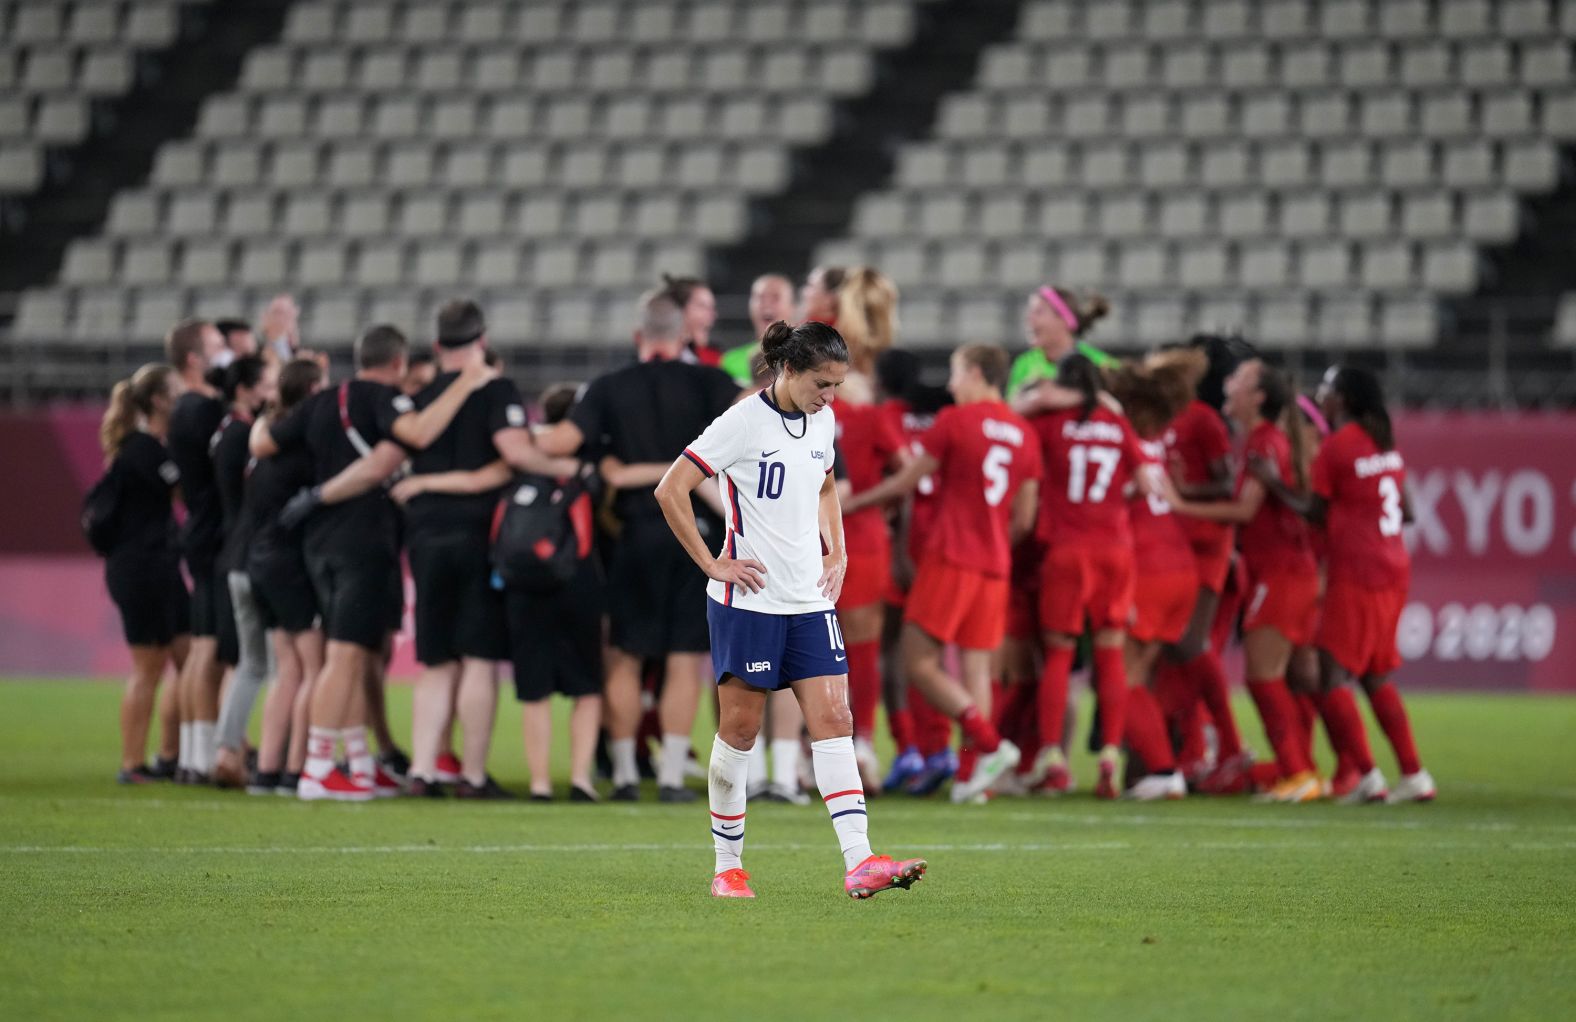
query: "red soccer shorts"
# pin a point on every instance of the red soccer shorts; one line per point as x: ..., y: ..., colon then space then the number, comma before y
x: 866, y: 580
x: 957, y: 605
x: 1287, y: 602
x: 1082, y: 579
x: 1213, y: 557
x: 1163, y: 605
x: 1358, y: 627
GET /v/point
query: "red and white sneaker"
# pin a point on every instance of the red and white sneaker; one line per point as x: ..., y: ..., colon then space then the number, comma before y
x: 1418, y: 787
x: 1232, y: 777
x: 333, y: 787
x: 731, y: 883
x: 448, y: 769
x: 1058, y: 781
x: 882, y: 873
x: 1108, y: 786
x: 1371, y: 788
x: 381, y: 782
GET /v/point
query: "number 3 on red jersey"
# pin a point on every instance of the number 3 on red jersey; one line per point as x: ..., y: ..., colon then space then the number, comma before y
x: 1390, y: 516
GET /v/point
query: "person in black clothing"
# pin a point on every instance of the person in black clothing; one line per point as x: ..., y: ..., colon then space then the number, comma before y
x: 191, y: 347
x: 641, y: 416
x: 250, y: 384
x: 283, y: 593
x: 358, y: 434
x: 449, y: 500
x: 142, y: 569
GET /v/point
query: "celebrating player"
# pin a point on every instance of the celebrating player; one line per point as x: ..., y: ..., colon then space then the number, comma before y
x: 772, y: 593
x: 985, y: 461
x: 1283, y: 577
x: 1361, y: 499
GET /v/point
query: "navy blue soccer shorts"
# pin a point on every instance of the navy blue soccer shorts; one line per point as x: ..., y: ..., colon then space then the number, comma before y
x: 772, y: 651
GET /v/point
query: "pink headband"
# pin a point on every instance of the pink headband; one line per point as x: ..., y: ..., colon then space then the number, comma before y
x: 1054, y: 300
x: 1311, y: 410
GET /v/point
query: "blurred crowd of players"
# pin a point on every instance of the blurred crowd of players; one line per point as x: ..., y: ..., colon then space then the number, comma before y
x: 1059, y: 509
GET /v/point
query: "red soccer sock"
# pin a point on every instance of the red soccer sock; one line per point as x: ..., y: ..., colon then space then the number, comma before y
x: 1053, y: 693
x: 1391, y: 714
x: 1279, y: 713
x: 978, y: 731
x: 1146, y: 731
x: 901, y: 723
x: 1307, y: 713
x: 1017, y: 718
x: 932, y: 728
x: 968, y: 759
x: 1209, y: 681
x: 864, y: 685
x: 1339, y: 709
x: 1110, y: 673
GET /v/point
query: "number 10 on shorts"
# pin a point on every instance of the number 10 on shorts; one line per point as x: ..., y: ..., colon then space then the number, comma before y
x: 834, y: 631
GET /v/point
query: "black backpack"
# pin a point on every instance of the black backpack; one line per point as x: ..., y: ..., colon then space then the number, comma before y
x: 99, y: 509
x: 542, y: 532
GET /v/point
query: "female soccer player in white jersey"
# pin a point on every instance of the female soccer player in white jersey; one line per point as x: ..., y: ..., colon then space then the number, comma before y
x: 773, y: 589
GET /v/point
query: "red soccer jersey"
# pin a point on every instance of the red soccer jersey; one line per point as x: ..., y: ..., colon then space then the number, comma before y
x: 1363, y: 487
x: 1276, y: 539
x: 1088, y: 464
x: 1195, y: 443
x: 986, y: 451
x: 868, y: 440
x: 1159, y: 544
x: 912, y: 425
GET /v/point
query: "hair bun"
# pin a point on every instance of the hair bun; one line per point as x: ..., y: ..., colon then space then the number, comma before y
x: 776, y: 335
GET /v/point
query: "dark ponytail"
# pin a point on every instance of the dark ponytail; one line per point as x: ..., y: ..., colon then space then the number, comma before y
x: 1225, y: 352
x: 1280, y: 406
x: 801, y: 348
x: 1363, y: 397
x: 1078, y: 372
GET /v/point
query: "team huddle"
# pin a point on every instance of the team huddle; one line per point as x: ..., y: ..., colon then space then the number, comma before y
x: 950, y: 553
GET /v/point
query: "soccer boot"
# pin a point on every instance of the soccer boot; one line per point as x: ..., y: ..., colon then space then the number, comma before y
x: 731, y: 883
x: 882, y: 873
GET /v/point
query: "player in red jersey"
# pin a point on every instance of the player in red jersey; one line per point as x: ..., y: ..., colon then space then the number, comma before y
x: 1090, y: 455
x: 921, y: 733
x: 870, y: 444
x: 986, y: 463
x: 1360, y: 497
x: 1283, y: 576
x: 1198, y: 448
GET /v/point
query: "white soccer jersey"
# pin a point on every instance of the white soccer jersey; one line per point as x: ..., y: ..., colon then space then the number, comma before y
x: 771, y: 487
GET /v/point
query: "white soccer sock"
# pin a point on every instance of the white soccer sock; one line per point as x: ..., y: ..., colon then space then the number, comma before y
x: 671, y: 760
x: 204, y: 732
x: 184, y: 758
x: 785, y: 762
x: 357, y: 752
x: 725, y: 788
x: 758, y: 764
x: 319, y: 752
x: 622, y: 750
x: 837, y: 775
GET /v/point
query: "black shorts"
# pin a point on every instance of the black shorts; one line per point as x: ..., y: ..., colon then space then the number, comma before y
x: 458, y: 612
x: 224, y: 629
x: 352, y: 588
x: 204, y: 598
x: 151, y: 597
x: 555, y: 639
x: 283, y: 591
x: 656, y: 593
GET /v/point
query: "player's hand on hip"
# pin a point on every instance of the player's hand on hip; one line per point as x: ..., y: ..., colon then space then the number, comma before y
x: 746, y: 572
x: 832, y: 571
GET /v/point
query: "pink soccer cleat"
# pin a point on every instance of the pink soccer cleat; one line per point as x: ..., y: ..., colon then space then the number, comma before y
x: 731, y: 883
x: 882, y: 873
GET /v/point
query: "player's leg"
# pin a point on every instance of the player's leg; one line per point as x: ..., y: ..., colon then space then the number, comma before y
x: 334, y: 697
x: 1200, y: 662
x: 1344, y: 723
x: 862, y: 637
x: 1416, y: 784
x: 1144, y: 727
x: 785, y: 727
x: 740, y: 709
x: 622, y: 710
x: 136, y: 711
x: 1266, y: 657
x: 677, y: 709
x: 311, y: 647
x: 276, y: 711
x: 478, y: 711
x: 254, y: 666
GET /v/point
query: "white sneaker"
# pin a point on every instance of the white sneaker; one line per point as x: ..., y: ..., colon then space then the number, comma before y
x: 1158, y: 786
x: 1044, y: 763
x: 1009, y: 783
x: 869, y: 765
x: 1371, y: 788
x: 1418, y: 787
x: 986, y: 771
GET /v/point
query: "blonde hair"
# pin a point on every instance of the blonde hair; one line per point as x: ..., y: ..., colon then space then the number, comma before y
x: 867, y: 314
x: 130, y: 398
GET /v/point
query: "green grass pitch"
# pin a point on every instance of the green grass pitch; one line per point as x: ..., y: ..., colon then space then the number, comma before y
x: 196, y: 904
